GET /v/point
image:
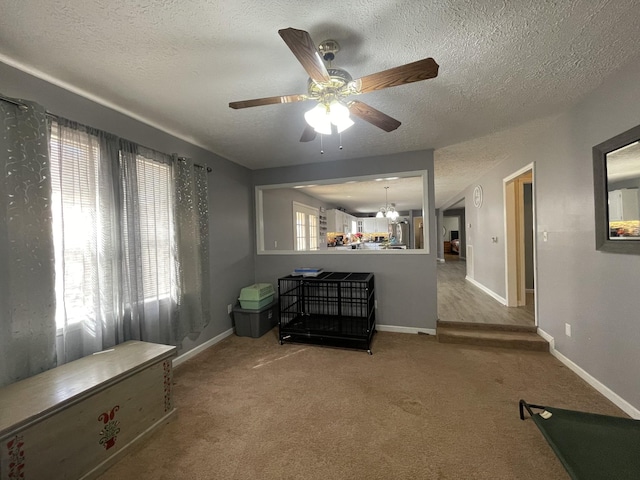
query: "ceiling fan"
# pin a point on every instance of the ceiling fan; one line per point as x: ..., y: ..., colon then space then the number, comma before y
x: 330, y: 87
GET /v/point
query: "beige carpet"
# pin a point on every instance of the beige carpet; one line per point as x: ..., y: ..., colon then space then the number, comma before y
x: 417, y: 409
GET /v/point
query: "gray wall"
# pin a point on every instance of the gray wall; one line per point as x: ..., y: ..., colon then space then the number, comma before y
x: 405, y: 282
x: 595, y: 292
x: 277, y: 206
x: 230, y: 201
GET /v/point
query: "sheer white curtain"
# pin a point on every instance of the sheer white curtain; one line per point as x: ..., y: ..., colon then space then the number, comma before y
x: 86, y: 236
x: 131, y: 236
x: 150, y: 283
x: 27, y: 333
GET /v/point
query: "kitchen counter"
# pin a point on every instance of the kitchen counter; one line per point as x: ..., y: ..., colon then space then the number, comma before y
x: 369, y: 246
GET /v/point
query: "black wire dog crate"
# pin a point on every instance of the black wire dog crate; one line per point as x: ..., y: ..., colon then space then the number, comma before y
x: 333, y: 308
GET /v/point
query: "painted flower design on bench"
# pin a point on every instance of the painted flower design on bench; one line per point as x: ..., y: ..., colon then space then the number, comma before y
x: 109, y: 432
x: 15, y: 449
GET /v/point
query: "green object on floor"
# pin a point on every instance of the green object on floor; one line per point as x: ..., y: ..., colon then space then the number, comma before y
x: 591, y: 446
x: 256, y: 296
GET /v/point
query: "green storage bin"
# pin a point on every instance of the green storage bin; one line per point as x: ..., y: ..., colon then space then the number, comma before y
x: 256, y: 296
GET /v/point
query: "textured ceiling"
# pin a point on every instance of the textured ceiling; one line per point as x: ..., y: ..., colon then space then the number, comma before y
x: 368, y: 196
x: 176, y: 64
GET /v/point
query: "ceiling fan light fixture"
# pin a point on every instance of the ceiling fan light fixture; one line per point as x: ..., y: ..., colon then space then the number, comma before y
x: 323, y: 115
x: 337, y: 111
x: 343, y: 124
x: 339, y: 114
x: 319, y: 119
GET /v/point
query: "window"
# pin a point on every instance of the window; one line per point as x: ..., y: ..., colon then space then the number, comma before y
x: 92, y: 232
x: 154, y: 210
x: 305, y: 226
x: 75, y: 198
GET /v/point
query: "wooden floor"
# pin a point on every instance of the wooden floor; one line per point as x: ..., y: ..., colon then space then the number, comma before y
x: 461, y: 301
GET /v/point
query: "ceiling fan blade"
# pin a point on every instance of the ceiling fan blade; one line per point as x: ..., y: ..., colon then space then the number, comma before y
x: 373, y: 116
x: 409, y: 73
x: 303, y: 48
x: 258, y: 102
x: 308, y: 135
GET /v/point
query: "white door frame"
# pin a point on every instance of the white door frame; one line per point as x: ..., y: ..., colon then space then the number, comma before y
x: 509, y: 276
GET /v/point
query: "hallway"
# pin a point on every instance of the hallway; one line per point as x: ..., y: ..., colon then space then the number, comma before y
x: 461, y: 301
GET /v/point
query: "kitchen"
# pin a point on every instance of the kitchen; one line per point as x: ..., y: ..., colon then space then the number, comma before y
x: 353, y: 214
x: 366, y: 233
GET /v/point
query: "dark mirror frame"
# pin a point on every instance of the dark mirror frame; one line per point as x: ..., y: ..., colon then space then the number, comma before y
x: 601, y: 195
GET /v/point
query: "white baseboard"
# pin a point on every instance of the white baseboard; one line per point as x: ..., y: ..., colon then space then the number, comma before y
x: 548, y: 338
x: 491, y: 293
x: 620, y: 402
x: 396, y: 329
x: 201, y: 348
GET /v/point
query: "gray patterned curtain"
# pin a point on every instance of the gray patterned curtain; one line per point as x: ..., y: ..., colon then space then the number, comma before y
x: 27, y: 295
x: 119, y: 231
x: 192, y: 243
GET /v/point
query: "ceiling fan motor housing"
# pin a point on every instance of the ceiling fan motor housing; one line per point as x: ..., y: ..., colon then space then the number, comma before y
x: 336, y: 89
x: 328, y: 49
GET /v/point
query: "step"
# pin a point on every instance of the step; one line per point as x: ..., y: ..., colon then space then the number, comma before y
x: 487, y: 326
x: 493, y: 338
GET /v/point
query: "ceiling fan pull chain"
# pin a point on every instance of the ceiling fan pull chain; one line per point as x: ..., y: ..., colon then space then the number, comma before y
x: 340, y: 140
x: 321, y: 148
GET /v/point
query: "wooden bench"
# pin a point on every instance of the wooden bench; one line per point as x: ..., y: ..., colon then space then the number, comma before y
x: 71, y: 422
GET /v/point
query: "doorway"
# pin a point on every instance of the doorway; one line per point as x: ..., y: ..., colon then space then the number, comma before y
x: 453, y: 232
x: 520, y: 271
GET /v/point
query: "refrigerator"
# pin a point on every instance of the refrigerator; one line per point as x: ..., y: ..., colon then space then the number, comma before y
x: 399, y: 233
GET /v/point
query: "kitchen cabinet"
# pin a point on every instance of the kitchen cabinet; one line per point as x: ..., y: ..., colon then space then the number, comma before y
x: 335, y: 220
x: 382, y: 225
x: 623, y: 205
x: 352, y: 224
x: 374, y: 225
x: 369, y: 225
x: 342, y: 222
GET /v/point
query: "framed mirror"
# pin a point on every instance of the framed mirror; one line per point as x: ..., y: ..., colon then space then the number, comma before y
x: 368, y: 214
x: 616, y: 168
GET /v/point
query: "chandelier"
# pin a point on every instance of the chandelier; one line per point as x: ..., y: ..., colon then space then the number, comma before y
x: 388, y: 211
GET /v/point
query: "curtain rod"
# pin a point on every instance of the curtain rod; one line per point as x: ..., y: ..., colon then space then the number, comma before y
x: 184, y: 159
x: 21, y: 105
x: 14, y: 102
